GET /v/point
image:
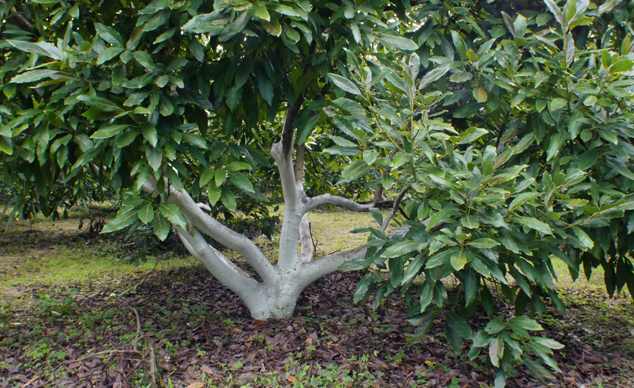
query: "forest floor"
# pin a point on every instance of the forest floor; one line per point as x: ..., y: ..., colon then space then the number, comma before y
x: 75, y: 313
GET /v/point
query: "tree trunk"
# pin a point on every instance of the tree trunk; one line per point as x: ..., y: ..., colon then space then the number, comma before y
x: 277, y: 294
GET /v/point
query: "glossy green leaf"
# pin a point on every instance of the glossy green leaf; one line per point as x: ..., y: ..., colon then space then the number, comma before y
x: 344, y: 84
x: 173, y: 214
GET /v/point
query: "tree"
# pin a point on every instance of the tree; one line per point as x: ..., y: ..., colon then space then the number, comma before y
x: 502, y: 131
x: 168, y: 104
x: 509, y: 134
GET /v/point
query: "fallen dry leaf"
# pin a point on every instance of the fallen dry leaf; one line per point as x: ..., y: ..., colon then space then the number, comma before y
x: 197, y: 384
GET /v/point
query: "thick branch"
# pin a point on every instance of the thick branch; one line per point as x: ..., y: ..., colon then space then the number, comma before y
x: 214, y: 229
x: 288, y: 133
x: 328, y: 199
x: 299, y: 166
x: 329, y: 264
x: 306, y: 240
x: 305, y: 235
x: 395, y: 207
x: 219, y: 266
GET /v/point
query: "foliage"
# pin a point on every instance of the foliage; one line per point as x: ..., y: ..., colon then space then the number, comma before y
x: 512, y: 131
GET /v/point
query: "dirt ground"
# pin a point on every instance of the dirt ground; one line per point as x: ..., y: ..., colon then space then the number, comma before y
x: 181, y: 327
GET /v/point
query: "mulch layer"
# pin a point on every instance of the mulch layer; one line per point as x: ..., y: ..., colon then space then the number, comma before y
x: 180, y: 326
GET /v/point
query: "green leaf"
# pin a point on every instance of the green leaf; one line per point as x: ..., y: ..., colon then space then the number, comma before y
x: 154, y: 158
x: 237, y: 166
x: 108, y: 54
x: 213, y: 194
x: 467, y: 110
x: 344, y: 151
x: 136, y: 98
x: 146, y: 213
x: 442, y: 215
x: 121, y: 221
x: 265, y: 87
x: 173, y: 214
x: 621, y: 169
x: 496, y: 325
x: 144, y: 58
x: 241, y: 181
x: 401, y: 248
x: 413, y: 269
x: 99, y: 103
x: 344, y: 84
x: 552, y: 6
x: 481, y: 339
x: 126, y: 139
x: 6, y: 145
x: 433, y: 76
x: 441, y: 258
x: 355, y: 170
x: 206, y: 176
x: 370, y: 156
x: 484, y: 243
x: 109, y: 34
x: 40, y: 48
x: 195, y: 140
x: 161, y: 227
x: 349, y: 106
x: 471, y: 135
x: 525, y: 323
x: 398, y: 42
x: 219, y: 177
x: 534, y: 223
x: 32, y: 76
x: 459, y: 260
x: 228, y: 199
x: 108, y: 131
x: 521, y: 199
x: 459, y: 325
x: 480, y: 94
x: 470, y: 222
x: 621, y: 65
x: 583, y: 237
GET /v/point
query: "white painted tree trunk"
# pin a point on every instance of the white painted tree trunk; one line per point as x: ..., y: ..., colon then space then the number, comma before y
x: 276, y: 295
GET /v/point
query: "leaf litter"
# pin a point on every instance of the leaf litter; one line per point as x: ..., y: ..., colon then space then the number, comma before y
x: 180, y: 326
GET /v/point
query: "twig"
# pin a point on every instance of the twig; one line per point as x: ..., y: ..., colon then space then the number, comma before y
x: 395, y: 208
x: 152, y: 368
x: 109, y: 352
x: 31, y: 381
x: 138, y: 328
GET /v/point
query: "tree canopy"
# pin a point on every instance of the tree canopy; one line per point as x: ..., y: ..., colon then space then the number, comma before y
x: 500, y: 132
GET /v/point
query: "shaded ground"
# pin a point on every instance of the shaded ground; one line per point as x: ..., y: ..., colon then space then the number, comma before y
x: 181, y: 327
